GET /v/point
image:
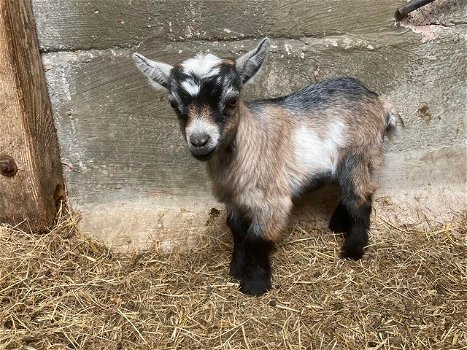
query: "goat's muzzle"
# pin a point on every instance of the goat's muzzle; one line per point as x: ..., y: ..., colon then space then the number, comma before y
x: 201, y: 146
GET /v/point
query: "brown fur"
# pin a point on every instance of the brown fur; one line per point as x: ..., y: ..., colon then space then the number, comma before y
x: 253, y: 176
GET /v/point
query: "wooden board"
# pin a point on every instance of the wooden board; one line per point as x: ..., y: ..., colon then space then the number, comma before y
x: 28, y: 138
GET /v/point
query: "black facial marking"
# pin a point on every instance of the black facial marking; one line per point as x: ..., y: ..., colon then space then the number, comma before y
x: 211, y: 92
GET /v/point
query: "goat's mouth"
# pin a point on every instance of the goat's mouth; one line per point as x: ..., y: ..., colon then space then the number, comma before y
x: 203, y: 155
x: 204, y: 158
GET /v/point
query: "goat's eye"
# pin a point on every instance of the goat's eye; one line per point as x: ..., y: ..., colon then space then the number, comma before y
x: 173, y: 104
x: 232, y: 103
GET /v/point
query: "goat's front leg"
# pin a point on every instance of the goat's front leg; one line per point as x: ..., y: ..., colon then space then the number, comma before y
x: 256, y: 275
x: 239, y: 226
x: 263, y: 232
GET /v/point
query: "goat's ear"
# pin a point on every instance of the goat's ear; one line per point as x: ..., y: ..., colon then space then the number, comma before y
x: 158, y: 73
x: 250, y: 63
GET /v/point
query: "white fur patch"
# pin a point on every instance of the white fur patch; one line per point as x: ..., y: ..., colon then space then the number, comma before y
x: 191, y: 87
x: 200, y: 125
x: 392, y: 121
x: 202, y: 65
x: 315, y: 155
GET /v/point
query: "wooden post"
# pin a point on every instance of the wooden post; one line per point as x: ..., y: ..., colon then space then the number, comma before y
x: 31, y: 181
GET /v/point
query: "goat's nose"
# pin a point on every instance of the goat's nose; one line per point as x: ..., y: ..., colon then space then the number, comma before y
x: 199, y: 140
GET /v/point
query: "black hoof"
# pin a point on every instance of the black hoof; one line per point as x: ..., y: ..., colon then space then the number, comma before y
x: 256, y: 284
x: 353, y: 252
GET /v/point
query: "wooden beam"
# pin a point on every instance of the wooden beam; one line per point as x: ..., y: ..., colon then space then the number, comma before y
x: 31, y: 181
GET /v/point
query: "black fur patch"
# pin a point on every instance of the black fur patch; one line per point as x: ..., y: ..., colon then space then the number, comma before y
x: 250, y: 257
x: 357, y: 238
x: 322, y: 95
x: 340, y: 221
x: 256, y: 274
x: 239, y: 228
x: 210, y: 94
x: 358, y: 213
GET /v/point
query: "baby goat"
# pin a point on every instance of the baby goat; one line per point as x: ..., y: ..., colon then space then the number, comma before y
x: 262, y: 154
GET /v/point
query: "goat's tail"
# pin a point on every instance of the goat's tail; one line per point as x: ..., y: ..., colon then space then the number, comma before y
x: 392, y: 117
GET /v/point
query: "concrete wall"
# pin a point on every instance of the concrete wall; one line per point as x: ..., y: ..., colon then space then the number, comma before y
x: 127, y: 169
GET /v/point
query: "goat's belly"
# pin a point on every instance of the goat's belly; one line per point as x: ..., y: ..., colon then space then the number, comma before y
x: 300, y: 186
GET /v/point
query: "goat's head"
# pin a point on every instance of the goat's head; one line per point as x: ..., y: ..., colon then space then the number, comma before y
x: 204, y: 92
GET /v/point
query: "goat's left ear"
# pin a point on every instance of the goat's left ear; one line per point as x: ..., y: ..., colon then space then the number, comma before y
x: 250, y: 63
x: 158, y: 73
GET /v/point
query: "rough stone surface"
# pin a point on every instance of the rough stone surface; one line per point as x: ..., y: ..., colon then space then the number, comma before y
x: 100, y: 24
x: 127, y: 169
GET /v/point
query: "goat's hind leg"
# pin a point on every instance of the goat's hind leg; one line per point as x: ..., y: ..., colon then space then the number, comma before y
x: 357, y: 238
x: 239, y: 227
x: 357, y: 192
x: 340, y: 221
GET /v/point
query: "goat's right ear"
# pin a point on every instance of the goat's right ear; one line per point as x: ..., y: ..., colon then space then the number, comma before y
x: 250, y: 63
x: 158, y: 73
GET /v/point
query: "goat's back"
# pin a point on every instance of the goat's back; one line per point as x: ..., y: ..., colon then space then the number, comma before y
x: 339, y: 103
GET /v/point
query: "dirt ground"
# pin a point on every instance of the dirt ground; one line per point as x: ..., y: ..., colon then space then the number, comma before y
x: 62, y: 290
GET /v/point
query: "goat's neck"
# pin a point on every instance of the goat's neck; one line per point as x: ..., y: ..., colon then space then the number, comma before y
x: 245, y: 138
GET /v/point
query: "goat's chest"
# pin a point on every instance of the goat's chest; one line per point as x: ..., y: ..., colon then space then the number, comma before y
x: 248, y: 187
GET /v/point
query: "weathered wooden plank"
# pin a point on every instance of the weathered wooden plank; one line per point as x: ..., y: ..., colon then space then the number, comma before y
x: 98, y: 24
x: 28, y: 134
x: 121, y: 139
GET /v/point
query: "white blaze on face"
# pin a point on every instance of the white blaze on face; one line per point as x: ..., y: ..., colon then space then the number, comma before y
x: 202, y: 65
x: 199, y: 67
x: 191, y: 87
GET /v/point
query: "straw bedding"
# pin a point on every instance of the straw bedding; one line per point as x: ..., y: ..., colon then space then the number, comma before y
x: 62, y: 290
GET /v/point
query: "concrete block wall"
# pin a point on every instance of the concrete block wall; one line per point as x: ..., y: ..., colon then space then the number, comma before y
x: 128, y: 172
